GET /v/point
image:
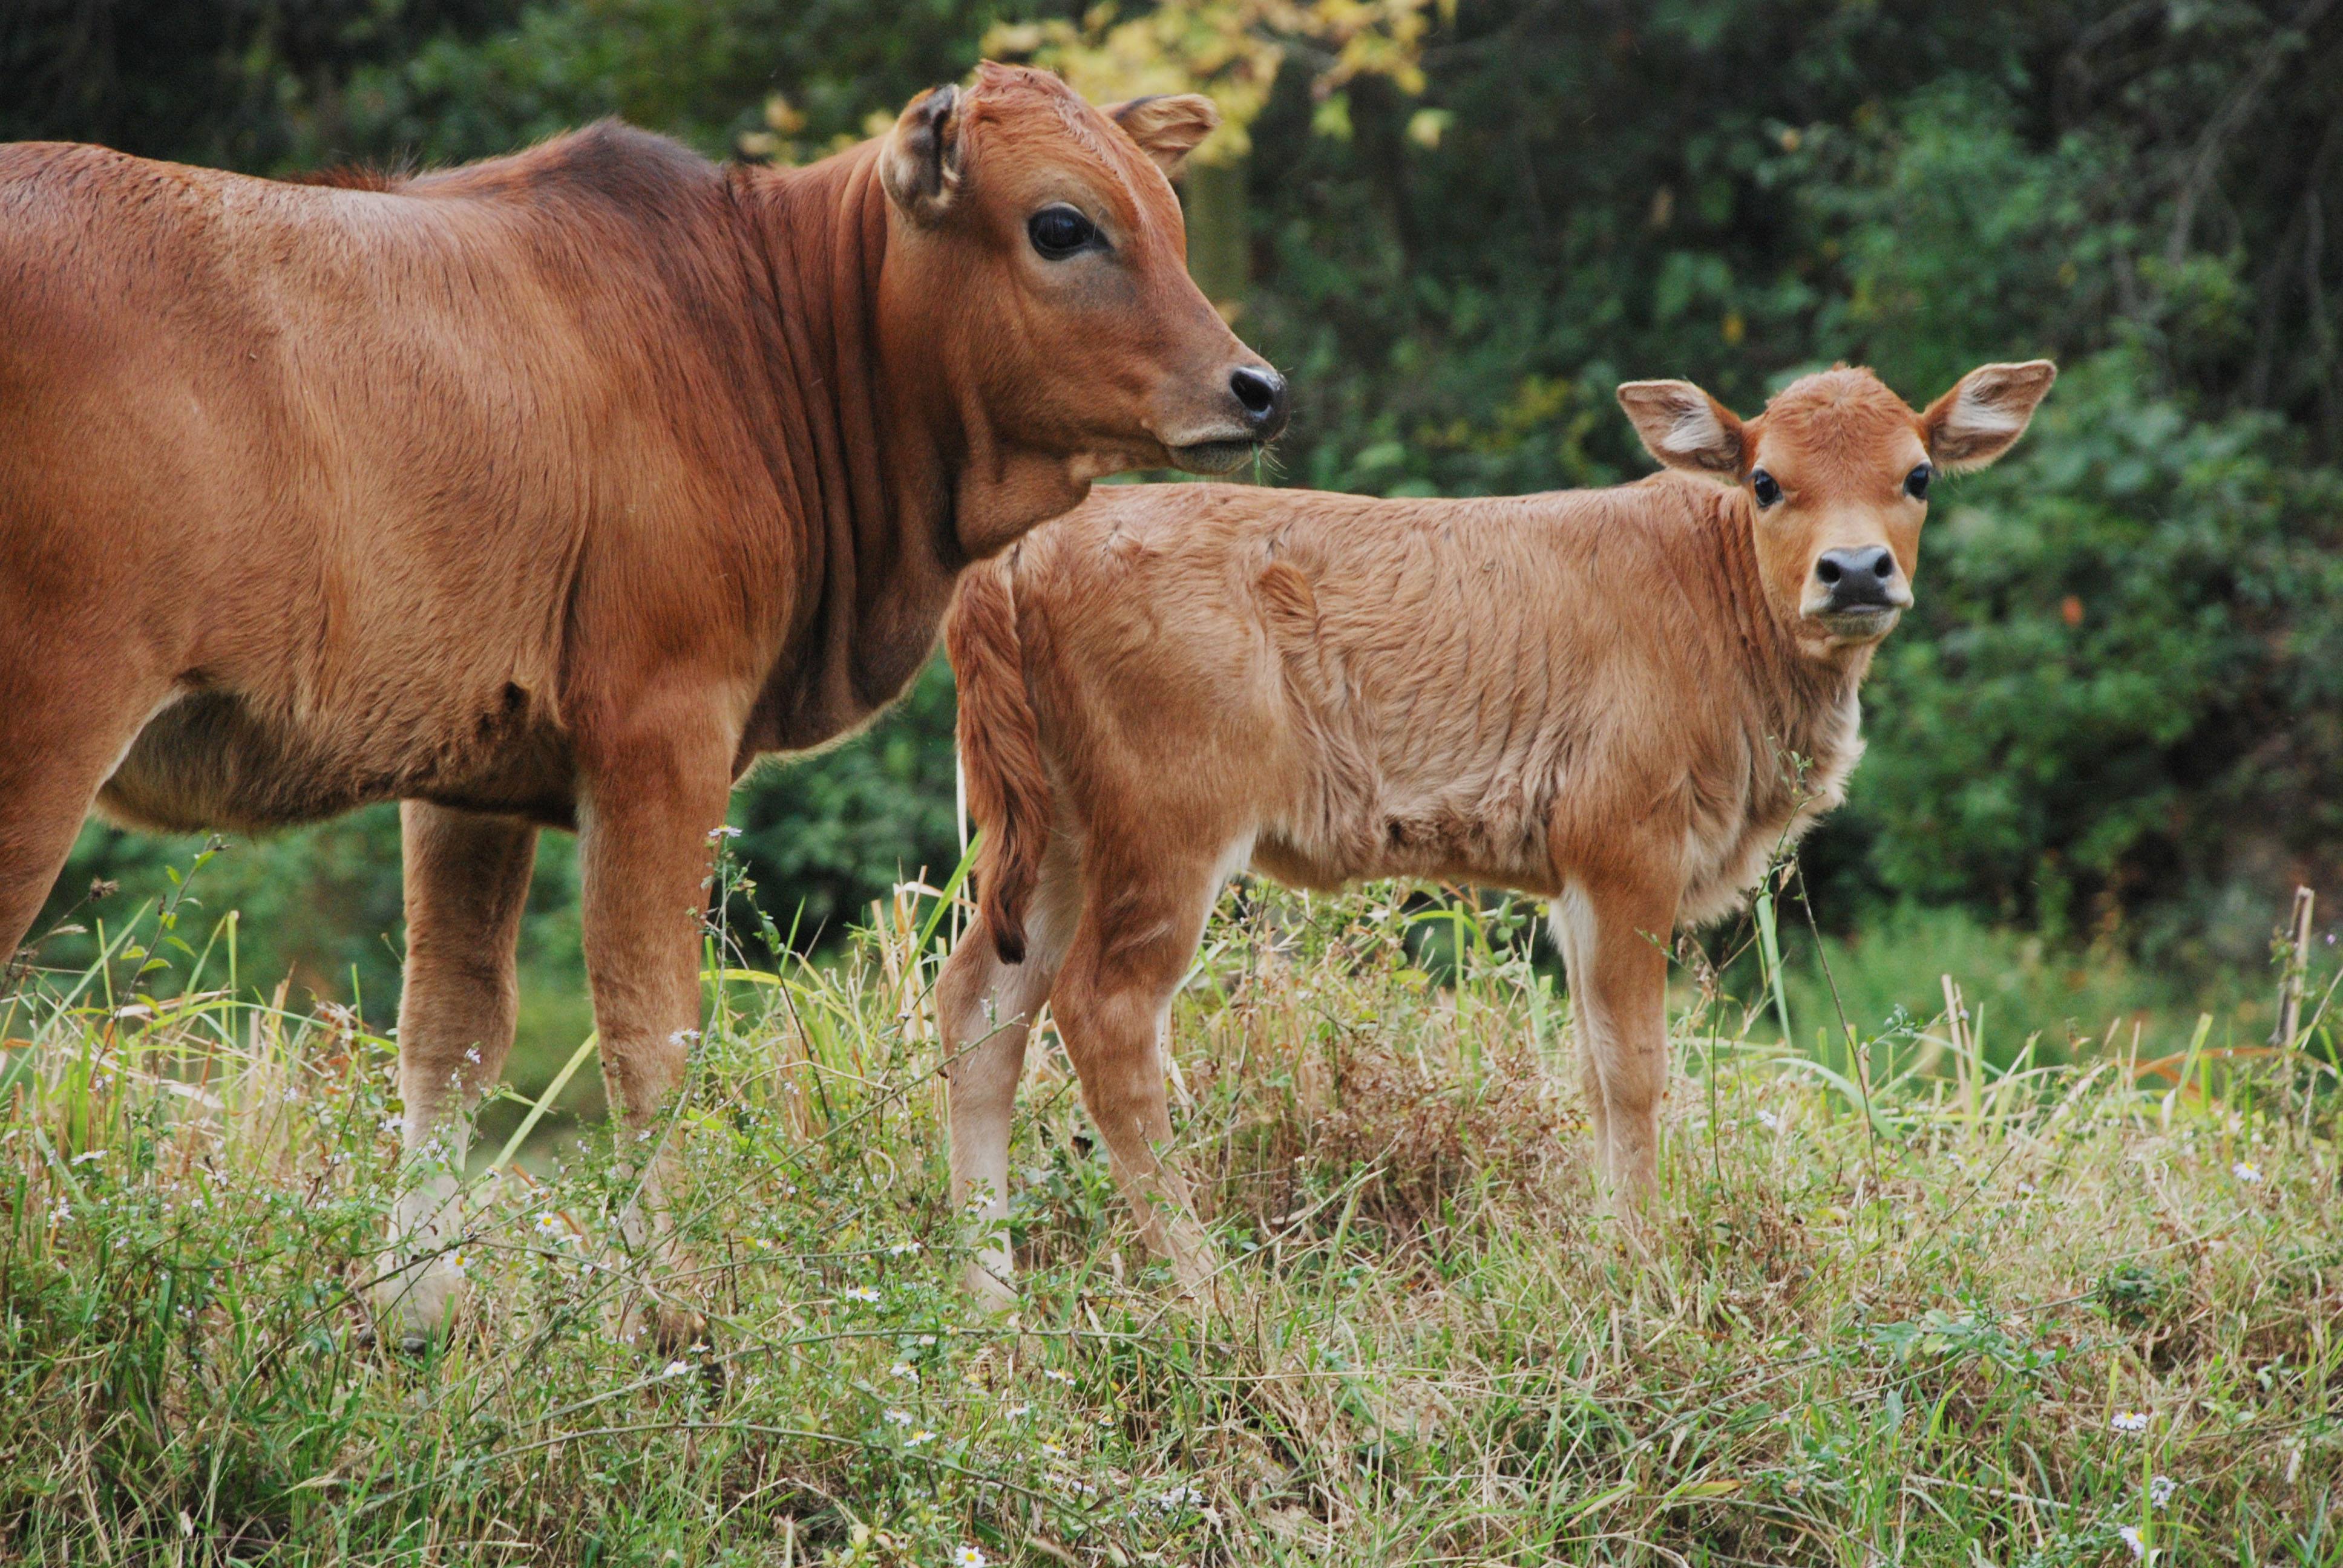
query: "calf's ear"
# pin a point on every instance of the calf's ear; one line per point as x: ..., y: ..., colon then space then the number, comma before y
x: 1167, y: 127
x: 1684, y: 427
x: 1986, y: 411
x: 919, y: 165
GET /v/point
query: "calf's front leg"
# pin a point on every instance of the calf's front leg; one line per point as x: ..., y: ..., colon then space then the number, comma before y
x: 466, y: 880
x: 1614, y: 933
x: 646, y: 815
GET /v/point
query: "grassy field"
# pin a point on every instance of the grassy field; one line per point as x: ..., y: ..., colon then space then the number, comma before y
x: 1929, y: 1300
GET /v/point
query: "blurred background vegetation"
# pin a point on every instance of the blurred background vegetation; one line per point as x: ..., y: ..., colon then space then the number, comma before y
x: 2105, y: 749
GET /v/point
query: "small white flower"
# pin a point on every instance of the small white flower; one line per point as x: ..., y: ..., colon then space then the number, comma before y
x: 1771, y: 1122
x: 716, y: 834
x: 472, y: 1055
x: 902, y: 1248
x: 926, y: 1338
x: 904, y: 1370
x: 549, y: 1224
x: 2161, y: 1490
x: 675, y: 1369
x: 969, y: 1557
x: 1015, y: 1410
x: 1054, y: 1375
x: 2129, y: 1535
x: 861, y: 1294
x: 2028, y: 1189
x: 86, y: 1155
x: 1054, y: 1451
x: 918, y: 1438
x: 900, y: 1417
x: 2129, y: 1421
x: 2245, y: 1170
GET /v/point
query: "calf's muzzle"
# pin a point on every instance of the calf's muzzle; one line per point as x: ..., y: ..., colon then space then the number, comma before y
x: 1860, y: 579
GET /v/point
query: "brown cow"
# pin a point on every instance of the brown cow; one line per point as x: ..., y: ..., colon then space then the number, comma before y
x: 1594, y: 697
x: 551, y: 491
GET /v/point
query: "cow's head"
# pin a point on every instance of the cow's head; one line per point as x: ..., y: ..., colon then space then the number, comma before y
x: 1836, y: 474
x: 1036, y: 243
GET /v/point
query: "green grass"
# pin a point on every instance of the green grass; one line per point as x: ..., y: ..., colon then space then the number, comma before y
x: 1899, y: 1298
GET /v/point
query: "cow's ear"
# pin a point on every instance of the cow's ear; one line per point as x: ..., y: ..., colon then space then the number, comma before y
x: 1168, y: 127
x: 1684, y: 427
x: 919, y: 165
x: 1986, y: 411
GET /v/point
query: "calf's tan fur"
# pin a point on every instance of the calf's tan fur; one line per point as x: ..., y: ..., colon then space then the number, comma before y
x: 550, y: 492
x: 1621, y: 701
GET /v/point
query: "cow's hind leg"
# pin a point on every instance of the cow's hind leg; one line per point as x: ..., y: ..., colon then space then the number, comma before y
x: 988, y: 1008
x: 467, y: 879
x: 1140, y: 925
x: 64, y: 724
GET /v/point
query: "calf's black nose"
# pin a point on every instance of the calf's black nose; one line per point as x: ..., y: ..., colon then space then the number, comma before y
x: 1260, y: 393
x: 1857, y: 578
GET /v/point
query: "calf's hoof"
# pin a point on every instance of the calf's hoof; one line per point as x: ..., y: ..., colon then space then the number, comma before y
x: 990, y: 1283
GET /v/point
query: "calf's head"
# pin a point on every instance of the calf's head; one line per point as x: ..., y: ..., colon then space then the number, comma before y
x: 1037, y: 251
x: 1837, y: 472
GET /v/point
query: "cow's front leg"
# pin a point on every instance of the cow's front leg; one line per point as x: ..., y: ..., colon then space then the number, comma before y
x: 467, y: 879
x: 647, y: 812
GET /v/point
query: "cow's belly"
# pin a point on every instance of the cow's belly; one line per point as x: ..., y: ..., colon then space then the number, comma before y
x: 214, y: 760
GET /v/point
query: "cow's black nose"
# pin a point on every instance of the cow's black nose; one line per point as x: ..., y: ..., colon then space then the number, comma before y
x: 1260, y: 392
x: 1857, y: 578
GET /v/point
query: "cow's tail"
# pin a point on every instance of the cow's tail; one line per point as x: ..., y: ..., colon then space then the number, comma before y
x: 1008, y: 790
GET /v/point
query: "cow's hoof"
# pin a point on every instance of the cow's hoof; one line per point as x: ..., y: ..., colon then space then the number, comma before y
x: 415, y: 1303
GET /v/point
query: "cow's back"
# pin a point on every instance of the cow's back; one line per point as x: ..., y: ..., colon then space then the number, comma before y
x: 344, y: 457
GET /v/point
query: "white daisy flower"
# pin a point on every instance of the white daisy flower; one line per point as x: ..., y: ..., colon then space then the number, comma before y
x: 2129, y: 1421
x: 861, y: 1294
x: 969, y: 1557
x: 2129, y: 1535
x: 2245, y: 1170
x: 899, y: 1417
x: 904, y: 1370
x: 675, y: 1369
x: 2161, y: 1489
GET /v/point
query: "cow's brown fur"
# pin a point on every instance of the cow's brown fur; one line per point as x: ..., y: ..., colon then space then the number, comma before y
x: 1621, y: 701
x: 550, y: 490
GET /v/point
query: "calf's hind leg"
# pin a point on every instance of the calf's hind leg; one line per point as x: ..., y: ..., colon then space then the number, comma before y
x: 1137, y: 933
x: 987, y: 1007
x: 466, y: 880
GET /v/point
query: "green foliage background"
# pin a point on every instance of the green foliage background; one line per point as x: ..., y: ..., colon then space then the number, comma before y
x: 2113, y: 717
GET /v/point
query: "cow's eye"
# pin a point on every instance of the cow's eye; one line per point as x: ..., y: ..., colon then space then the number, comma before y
x: 1916, y: 483
x: 1057, y: 232
x: 1763, y: 486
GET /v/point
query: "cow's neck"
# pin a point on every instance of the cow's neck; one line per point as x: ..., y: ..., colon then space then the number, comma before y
x: 884, y: 469
x: 1806, y: 705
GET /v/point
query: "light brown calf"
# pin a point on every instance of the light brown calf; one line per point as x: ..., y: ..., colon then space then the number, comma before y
x: 1596, y: 696
x: 551, y: 491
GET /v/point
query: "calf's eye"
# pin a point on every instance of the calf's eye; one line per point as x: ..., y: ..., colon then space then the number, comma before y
x: 1916, y: 483
x: 1761, y: 485
x: 1057, y: 232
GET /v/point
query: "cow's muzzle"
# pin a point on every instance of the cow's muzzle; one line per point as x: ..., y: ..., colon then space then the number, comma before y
x: 1260, y: 405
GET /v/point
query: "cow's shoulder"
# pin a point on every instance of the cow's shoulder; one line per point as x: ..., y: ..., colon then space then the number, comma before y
x: 608, y: 162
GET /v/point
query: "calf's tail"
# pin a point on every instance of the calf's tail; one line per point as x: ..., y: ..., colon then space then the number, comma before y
x: 999, y: 751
